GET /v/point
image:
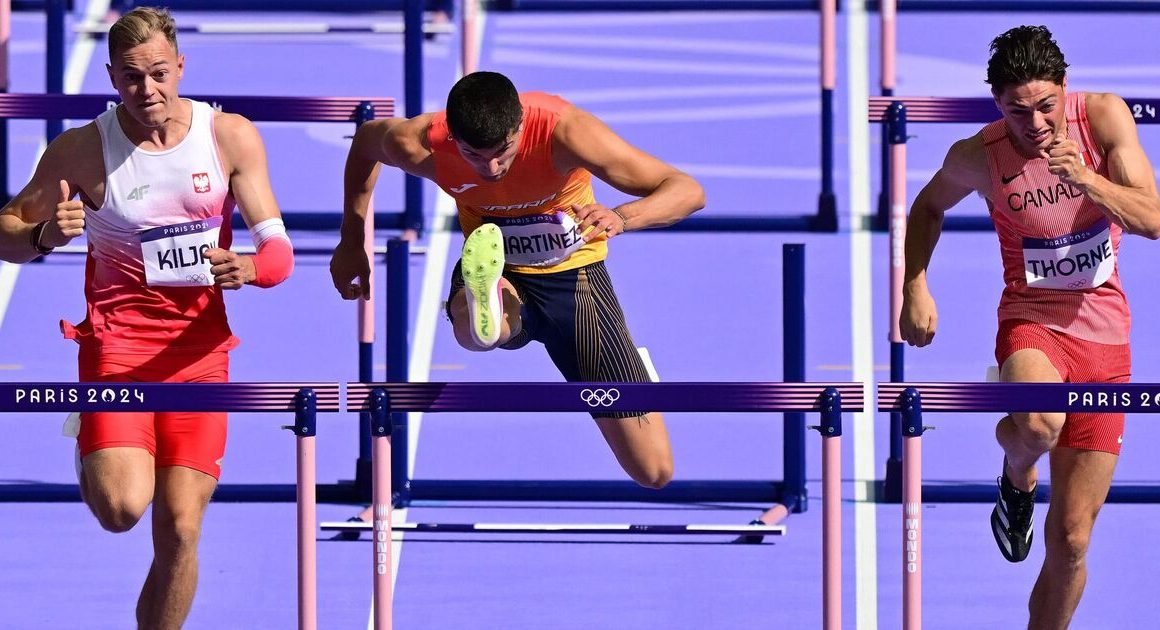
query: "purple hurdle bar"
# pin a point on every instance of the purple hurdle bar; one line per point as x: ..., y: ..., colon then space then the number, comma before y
x: 257, y: 108
x: 384, y: 399
x: 911, y: 399
x: 304, y: 399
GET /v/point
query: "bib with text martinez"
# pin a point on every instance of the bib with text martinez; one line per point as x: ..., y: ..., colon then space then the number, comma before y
x: 539, y: 240
x: 1078, y: 261
x: 174, y: 255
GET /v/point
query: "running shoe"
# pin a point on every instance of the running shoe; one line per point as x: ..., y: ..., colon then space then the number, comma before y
x: 1011, y: 520
x: 482, y: 267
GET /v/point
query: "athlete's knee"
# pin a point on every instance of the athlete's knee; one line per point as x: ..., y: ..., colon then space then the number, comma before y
x: 1038, y: 431
x: 118, y: 514
x: 1068, y: 539
x: 655, y: 473
x: 177, y: 534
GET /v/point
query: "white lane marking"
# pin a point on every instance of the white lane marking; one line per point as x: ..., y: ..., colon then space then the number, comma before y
x: 862, y: 323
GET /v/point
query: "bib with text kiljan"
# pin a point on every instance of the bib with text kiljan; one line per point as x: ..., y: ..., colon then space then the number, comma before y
x: 539, y: 240
x: 174, y: 255
x: 1082, y: 260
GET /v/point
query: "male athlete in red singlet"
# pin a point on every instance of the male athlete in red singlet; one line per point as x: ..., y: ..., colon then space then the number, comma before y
x: 1064, y: 176
x: 157, y: 178
x: 519, y: 167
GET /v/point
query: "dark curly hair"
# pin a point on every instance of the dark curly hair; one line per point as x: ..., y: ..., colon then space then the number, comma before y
x: 1022, y: 55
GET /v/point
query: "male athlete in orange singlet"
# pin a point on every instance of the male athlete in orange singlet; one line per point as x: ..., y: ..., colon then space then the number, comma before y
x: 519, y: 167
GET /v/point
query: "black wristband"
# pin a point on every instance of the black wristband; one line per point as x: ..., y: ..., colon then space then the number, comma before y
x: 37, y: 232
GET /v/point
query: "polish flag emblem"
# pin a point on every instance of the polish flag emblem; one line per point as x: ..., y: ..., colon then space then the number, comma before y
x: 201, y: 182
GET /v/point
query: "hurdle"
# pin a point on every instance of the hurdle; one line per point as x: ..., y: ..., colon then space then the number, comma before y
x: 787, y: 495
x: 384, y: 400
x: 412, y: 29
x: 895, y: 113
x: 304, y: 400
x: 825, y: 219
x: 911, y: 400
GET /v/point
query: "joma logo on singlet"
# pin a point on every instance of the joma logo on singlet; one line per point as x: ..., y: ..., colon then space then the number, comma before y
x: 138, y: 193
x: 520, y: 206
x: 1040, y: 197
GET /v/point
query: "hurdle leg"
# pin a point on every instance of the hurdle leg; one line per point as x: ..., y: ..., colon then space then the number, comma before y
x: 831, y: 431
x: 304, y: 430
x: 832, y: 532
x: 912, y: 430
x: 381, y: 503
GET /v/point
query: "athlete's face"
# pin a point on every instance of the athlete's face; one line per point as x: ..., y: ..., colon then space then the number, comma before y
x: 1034, y: 113
x: 493, y: 163
x: 146, y: 76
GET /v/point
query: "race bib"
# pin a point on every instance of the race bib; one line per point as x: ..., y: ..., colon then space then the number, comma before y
x: 1083, y: 260
x: 174, y: 255
x: 540, y: 240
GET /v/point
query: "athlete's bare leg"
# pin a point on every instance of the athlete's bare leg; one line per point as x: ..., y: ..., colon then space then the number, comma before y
x: 641, y: 445
x: 1080, y: 481
x: 117, y: 485
x: 1025, y: 437
x: 182, y: 496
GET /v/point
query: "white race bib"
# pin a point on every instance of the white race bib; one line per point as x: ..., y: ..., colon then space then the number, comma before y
x: 540, y: 240
x: 1074, y: 262
x: 174, y: 255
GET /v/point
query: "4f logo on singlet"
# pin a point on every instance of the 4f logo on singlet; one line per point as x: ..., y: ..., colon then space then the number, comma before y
x: 138, y: 193
x: 201, y: 182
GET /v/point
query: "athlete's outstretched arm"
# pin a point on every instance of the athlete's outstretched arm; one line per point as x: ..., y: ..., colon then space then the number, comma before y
x: 45, y: 198
x: 667, y: 195
x: 960, y: 174
x: 396, y: 142
x: 1128, y: 196
x: 249, y: 176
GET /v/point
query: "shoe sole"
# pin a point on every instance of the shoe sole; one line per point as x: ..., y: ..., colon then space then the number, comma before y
x: 482, y: 267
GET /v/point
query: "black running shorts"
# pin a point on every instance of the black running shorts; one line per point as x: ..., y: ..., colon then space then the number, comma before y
x: 577, y: 317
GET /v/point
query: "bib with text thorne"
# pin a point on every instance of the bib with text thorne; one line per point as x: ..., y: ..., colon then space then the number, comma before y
x: 174, y: 255
x: 539, y: 240
x: 1078, y: 261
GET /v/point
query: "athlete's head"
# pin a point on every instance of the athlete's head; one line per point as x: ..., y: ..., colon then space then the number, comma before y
x: 144, y: 64
x: 1028, y: 78
x: 484, y: 115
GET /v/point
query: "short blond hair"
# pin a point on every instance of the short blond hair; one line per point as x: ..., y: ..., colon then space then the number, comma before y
x: 138, y: 26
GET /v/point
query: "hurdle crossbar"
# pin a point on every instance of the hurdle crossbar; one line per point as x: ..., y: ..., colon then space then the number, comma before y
x: 650, y: 5
x: 562, y: 528
x: 1020, y: 6
x: 256, y: 108
x: 284, y: 28
x: 913, y: 399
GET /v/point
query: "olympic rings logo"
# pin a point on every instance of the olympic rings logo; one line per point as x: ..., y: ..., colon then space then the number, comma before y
x: 196, y: 278
x: 600, y: 397
x: 1077, y: 284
